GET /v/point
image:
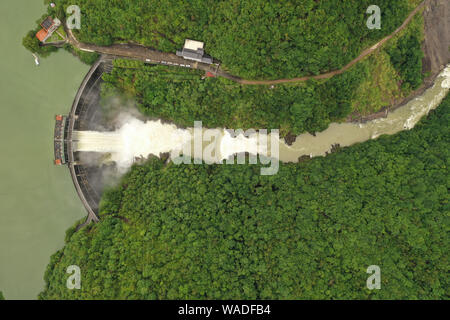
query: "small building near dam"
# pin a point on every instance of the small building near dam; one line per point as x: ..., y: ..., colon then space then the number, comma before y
x: 49, y: 26
x: 193, y: 50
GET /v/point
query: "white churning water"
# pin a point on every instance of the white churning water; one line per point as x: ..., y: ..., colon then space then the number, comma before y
x: 137, y: 139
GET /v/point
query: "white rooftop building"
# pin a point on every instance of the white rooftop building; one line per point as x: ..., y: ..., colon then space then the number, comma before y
x: 193, y: 50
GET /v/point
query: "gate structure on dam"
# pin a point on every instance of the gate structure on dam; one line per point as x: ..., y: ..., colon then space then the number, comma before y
x: 84, y: 109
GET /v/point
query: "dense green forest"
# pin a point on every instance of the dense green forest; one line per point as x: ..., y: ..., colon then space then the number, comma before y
x: 182, y: 96
x: 309, y: 232
x: 251, y: 38
x: 406, y: 57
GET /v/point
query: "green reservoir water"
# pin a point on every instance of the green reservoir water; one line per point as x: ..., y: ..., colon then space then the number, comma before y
x: 37, y: 200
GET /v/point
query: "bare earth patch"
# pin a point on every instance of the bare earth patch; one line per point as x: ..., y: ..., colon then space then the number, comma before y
x: 436, y: 47
x: 437, y: 36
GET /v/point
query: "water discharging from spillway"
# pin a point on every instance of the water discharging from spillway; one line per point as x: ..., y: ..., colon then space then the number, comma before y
x: 137, y: 139
x: 133, y: 140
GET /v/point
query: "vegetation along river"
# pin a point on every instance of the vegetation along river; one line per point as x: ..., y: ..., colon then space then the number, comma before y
x: 346, y: 134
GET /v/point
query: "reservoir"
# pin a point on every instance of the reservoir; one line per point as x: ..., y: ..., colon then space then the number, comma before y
x: 37, y: 199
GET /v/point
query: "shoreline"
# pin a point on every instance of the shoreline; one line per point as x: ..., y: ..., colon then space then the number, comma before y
x: 383, y: 113
x: 290, y: 138
x: 436, y: 56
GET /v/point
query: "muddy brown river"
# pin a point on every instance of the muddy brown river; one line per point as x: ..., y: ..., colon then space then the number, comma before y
x: 346, y: 134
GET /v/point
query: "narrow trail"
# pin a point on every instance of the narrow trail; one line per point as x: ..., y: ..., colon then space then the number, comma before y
x: 137, y: 52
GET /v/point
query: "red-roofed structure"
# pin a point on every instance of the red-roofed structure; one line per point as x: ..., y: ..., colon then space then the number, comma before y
x: 42, y: 35
x: 48, y: 27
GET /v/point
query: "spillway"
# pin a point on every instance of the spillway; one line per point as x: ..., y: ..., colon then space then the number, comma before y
x: 139, y: 139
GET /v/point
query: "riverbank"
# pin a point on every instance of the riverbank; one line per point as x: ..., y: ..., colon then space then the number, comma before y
x: 427, y: 83
x: 349, y: 133
x: 436, y: 50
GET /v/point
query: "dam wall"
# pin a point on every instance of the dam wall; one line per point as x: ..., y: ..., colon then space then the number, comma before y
x: 84, y: 109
